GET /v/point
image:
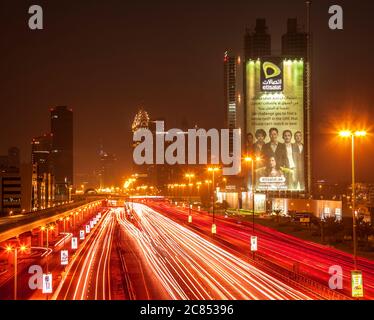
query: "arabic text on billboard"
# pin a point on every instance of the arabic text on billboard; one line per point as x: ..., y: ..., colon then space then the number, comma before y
x: 275, y: 122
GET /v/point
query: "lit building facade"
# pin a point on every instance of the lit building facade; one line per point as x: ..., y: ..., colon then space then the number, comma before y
x: 62, y: 151
x: 42, y: 195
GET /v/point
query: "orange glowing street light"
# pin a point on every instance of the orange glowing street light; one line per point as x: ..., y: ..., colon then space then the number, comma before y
x: 252, y: 160
x: 9, y: 249
x: 189, y: 176
x: 352, y: 135
x: 213, y: 170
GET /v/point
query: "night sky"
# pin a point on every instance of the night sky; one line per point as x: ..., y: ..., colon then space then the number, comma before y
x: 105, y: 59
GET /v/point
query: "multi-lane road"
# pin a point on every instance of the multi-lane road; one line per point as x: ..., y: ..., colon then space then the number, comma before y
x: 191, y: 267
x: 311, y: 259
x: 150, y: 252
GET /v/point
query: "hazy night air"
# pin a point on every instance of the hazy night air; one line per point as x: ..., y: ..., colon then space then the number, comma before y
x: 104, y: 59
x: 186, y: 156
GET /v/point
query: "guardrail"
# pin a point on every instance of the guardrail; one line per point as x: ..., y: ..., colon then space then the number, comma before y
x: 10, y: 229
x: 296, y: 278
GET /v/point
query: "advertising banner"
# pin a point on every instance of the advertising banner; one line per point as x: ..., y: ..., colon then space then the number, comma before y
x: 275, y: 122
x: 74, y: 243
x: 253, y: 243
x: 357, y: 284
x: 47, y: 283
x: 64, y: 257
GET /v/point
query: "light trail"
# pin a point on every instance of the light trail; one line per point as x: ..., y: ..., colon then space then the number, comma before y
x: 85, y: 265
x: 191, y: 267
x: 313, y: 260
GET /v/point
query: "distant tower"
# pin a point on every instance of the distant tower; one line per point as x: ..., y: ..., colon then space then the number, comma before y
x: 141, y: 120
x: 232, y: 94
x: 258, y: 43
x: 42, y: 196
x: 294, y: 42
x: 62, y: 150
x: 14, y: 157
x: 108, y: 173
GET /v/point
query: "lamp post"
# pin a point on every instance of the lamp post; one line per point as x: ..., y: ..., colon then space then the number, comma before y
x: 352, y: 135
x: 189, y: 176
x: 252, y: 161
x: 9, y: 248
x: 213, y: 170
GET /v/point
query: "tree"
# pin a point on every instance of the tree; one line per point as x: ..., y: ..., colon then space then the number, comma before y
x: 277, y: 214
x: 329, y: 228
x: 364, y: 230
x: 332, y: 228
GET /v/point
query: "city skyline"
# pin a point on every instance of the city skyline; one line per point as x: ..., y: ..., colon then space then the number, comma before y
x: 201, y: 151
x: 111, y: 89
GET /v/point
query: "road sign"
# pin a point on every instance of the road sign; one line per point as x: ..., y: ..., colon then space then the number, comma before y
x: 253, y: 243
x: 47, y: 283
x: 74, y: 243
x: 214, y: 229
x: 64, y: 257
x: 88, y: 228
x: 357, y: 284
x: 91, y: 224
x: 81, y: 234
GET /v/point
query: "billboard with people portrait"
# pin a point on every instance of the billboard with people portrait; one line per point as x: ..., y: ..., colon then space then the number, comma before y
x: 275, y: 122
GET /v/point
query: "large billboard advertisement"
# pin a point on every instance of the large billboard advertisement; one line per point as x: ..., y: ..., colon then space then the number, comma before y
x: 275, y: 122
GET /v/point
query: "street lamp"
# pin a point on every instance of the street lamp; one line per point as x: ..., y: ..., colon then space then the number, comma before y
x: 352, y: 135
x: 189, y: 176
x: 213, y: 170
x: 252, y: 161
x: 9, y: 248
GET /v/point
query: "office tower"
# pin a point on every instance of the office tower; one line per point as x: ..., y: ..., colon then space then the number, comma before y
x: 294, y: 42
x: 277, y: 101
x: 108, y: 173
x: 232, y: 95
x: 42, y: 177
x: 141, y: 121
x: 10, y: 183
x: 62, y: 151
x: 257, y: 43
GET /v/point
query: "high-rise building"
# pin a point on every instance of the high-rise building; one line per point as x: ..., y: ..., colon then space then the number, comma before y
x: 108, y: 173
x: 42, y: 177
x: 232, y: 95
x: 277, y: 104
x: 296, y: 44
x: 62, y: 151
x: 10, y: 183
x: 295, y: 41
x: 257, y: 43
x: 141, y: 121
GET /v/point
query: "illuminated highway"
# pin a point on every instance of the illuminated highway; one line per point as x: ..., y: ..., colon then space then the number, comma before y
x: 152, y: 253
x: 88, y: 275
x: 191, y: 267
x: 313, y: 260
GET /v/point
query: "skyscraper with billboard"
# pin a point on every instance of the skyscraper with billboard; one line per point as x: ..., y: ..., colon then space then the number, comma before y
x: 276, y: 102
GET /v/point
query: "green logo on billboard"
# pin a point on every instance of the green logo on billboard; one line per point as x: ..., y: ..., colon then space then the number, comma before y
x: 271, y: 70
